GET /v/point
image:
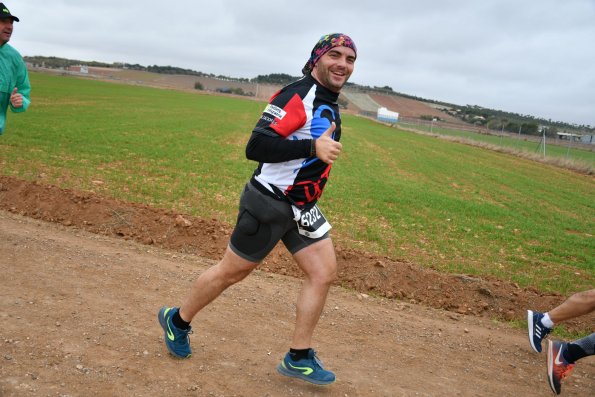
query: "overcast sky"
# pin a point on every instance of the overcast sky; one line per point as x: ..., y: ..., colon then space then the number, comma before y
x: 532, y: 57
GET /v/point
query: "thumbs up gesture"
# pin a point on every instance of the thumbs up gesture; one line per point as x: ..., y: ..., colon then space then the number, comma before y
x: 328, y: 149
x: 16, y: 99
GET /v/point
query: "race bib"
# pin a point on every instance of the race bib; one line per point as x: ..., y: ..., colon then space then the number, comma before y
x: 311, y: 223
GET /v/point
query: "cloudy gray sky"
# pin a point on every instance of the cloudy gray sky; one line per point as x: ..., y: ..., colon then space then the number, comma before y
x: 532, y: 57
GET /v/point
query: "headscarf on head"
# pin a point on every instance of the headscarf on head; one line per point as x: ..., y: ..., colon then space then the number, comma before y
x: 325, y: 43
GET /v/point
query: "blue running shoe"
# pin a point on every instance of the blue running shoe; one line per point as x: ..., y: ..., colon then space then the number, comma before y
x: 557, y: 366
x: 537, y: 331
x: 176, y: 340
x: 309, y: 369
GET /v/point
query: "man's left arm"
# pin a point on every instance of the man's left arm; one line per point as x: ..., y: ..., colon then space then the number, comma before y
x: 20, y: 96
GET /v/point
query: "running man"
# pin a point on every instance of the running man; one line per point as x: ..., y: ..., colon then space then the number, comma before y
x: 295, y: 142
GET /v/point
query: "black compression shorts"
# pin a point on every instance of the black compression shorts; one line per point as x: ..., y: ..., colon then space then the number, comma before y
x: 262, y: 222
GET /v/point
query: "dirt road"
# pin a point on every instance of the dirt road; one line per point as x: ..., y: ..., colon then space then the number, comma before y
x: 79, y: 319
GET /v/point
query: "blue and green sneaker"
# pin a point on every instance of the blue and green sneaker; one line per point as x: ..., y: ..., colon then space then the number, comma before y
x: 309, y: 369
x: 176, y: 340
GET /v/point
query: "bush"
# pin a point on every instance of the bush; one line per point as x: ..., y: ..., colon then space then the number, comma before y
x: 237, y: 91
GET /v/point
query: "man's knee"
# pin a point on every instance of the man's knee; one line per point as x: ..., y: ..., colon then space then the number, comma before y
x: 234, y: 268
x: 233, y: 276
x: 325, y: 273
x: 587, y: 298
x: 318, y: 261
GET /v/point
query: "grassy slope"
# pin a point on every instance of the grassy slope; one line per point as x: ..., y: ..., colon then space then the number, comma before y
x: 436, y: 203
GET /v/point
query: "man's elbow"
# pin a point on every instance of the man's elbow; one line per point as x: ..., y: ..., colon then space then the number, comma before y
x: 250, y: 150
x: 254, y: 148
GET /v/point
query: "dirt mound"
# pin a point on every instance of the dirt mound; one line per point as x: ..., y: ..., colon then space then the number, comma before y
x: 366, y: 273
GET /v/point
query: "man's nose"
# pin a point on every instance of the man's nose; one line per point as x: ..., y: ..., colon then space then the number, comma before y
x: 342, y: 61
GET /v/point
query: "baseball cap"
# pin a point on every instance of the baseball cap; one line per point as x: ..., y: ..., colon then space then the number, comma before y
x: 4, y: 13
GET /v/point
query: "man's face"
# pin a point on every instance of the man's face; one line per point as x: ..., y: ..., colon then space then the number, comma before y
x: 5, y: 30
x: 334, y: 68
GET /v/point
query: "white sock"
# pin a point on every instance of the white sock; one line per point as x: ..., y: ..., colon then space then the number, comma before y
x: 546, y: 321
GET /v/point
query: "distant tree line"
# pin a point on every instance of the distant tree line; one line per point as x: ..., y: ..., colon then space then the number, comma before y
x: 190, y: 72
x: 513, y: 122
x: 274, y: 78
x: 62, y: 63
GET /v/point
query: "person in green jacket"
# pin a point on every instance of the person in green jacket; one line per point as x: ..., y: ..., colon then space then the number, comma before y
x: 14, y: 80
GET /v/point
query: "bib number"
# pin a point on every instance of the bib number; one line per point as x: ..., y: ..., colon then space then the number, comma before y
x: 311, y: 223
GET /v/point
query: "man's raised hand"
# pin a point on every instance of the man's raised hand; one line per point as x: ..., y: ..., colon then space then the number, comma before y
x: 327, y: 149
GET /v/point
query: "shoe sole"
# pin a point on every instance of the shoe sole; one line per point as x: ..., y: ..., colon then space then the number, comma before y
x: 162, y: 319
x: 530, y: 329
x: 296, y: 375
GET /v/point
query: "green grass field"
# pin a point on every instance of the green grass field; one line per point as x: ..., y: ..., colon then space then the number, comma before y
x: 439, y: 204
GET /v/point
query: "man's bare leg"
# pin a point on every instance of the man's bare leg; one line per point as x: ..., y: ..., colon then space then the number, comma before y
x: 577, y: 305
x: 210, y: 284
x: 319, y: 264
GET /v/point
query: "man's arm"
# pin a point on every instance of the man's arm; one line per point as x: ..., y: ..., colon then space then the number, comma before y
x: 274, y: 149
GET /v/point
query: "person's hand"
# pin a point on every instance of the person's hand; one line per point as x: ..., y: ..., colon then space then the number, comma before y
x: 328, y: 149
x: 16, y: 99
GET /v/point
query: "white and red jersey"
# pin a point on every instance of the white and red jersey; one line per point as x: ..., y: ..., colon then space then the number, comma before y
x: 302, y: 110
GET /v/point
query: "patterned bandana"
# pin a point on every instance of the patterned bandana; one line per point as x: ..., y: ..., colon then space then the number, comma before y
x: 325, y: 43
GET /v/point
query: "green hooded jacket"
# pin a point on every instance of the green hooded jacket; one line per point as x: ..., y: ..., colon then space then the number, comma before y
x: 13, y: 73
